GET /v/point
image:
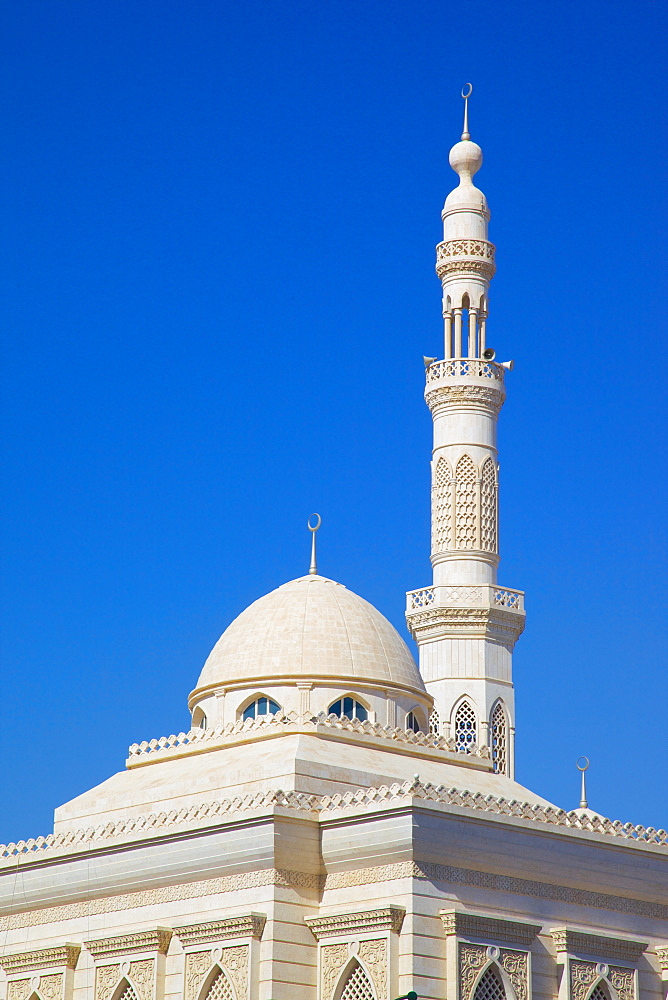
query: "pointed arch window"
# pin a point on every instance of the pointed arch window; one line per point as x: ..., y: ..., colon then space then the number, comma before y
x: 220, y: 988
x: 125, y: 991
x: 413, y: 723
x: 467, y: 503
x: 465, y: 728
x: 261, y: 706
x: 350, y: 707
x: 600, y: 992
x: 356, y: 985
x: 435, y: 722
x: 499, y: 740
x: 488, y: 520
x: 442, y: 506
x: 490, y: 986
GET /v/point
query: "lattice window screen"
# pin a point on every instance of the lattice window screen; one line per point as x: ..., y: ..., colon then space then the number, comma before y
x: 442, y: 506
x: 499, y: 740
x: 465, y: 727
x: 435, y: 723
x: 220, y: 988
x: 467, y: 503
x: 488, y: 537
x: 128, y: 993
x: 599, y: 992
x: 490, y: 986
x: 357, y: 985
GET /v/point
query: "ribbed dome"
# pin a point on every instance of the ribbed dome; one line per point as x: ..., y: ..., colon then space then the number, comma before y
x: 311, y: 628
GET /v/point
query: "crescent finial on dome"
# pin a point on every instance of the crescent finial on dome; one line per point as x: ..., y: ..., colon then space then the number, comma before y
x: 313, y: 568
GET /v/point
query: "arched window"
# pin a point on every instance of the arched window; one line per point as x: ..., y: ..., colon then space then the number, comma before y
x: 442, y: 506
x: 465, y: 728
x: 261, y: 706
x: 220, y: 988
x: 357, y: 985
x: 600, y: 992
x: 488, y: 540
x: 350, y: 707
x: 202, y: 722
x: 490, y: 986
x: 467, y: 503
x: 412, y: 722
x: 435, y: 723
x: 499, y: 740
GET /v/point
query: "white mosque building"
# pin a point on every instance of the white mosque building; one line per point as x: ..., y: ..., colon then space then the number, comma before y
x: 341, y: 823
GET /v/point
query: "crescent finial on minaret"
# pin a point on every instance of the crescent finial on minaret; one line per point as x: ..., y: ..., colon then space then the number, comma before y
x: 313, y: 568
x: 466, y: 94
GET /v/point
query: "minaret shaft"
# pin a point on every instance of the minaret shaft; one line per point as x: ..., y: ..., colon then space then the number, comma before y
x: 465, y: 624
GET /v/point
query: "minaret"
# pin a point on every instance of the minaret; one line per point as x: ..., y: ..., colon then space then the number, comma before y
x: 465, y: 624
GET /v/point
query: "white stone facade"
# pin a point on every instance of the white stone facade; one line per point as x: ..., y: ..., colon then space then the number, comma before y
x: 339, y: 825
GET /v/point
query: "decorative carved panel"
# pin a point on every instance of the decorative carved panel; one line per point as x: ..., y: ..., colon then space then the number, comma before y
x: 584, y: 975
x: 474, y: 957
x: 234, y: 961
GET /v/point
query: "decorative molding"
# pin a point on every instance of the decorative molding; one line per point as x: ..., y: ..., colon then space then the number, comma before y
x: 474, y: 957
x: 465, y: 368
x: 126, y: 944
x: 478, y: 925
x: 465, y: 247
x: 337, y: 924
x: 583, y: 975
x: 597, y: 945
x: 333, y: 957
x: 249, y: 925
x: 43, y: 958
x: 496, y: 883
x: 374, y: 956
x: 481, y: 268
x: 502, y: 624
x: 210, y: 813
x: 50, y: 987
x: 490, y: 396
x: 197, y: 965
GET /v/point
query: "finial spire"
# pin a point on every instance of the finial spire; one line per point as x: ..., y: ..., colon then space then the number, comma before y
x: 313, y: 568
x: 466, y: 94
x: 582, y: 767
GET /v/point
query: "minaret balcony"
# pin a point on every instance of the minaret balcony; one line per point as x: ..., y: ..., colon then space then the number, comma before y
x: 465, y: 257
x: 465, y: 368
x: 477, y: 611
x: 469, y: 596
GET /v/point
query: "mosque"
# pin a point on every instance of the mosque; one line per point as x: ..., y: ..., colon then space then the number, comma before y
x: 341, y: 823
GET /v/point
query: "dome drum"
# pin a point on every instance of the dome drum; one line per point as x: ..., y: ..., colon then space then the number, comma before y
x: 304, y: 647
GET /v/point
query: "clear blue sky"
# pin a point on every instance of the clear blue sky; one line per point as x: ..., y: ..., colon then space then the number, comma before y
x: 217, y: 284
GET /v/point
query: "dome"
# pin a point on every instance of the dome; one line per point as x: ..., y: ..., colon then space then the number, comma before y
x: 311, y: 629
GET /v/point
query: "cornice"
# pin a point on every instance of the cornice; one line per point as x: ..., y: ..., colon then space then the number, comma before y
x: 496, y: 623
x: 126, y: 944
x: 597, y: 945
x: 477, y: 925
x: 337, y: 924
x: 65, y: 955
x: 248, y: 925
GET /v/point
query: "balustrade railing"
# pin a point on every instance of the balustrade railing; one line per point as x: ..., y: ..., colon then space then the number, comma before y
x: 465, y: 596
x: 452, y: 367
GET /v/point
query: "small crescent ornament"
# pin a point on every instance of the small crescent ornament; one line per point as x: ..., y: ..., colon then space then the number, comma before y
x: 580, y: 766
x: 467, y: 93
x: 316, y: 525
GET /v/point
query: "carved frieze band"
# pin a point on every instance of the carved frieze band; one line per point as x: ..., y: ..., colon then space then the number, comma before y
x: 249, y: 925
x: 474, y: 957
x: 597, y: 945
x: 583, y: 975
x: 372, y: 955
x: 478, y: 925
x: 126, y: 944
x: 233, y: 961
x: 43, y: 958
x: 386, y: 918
x: 490, y: 396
